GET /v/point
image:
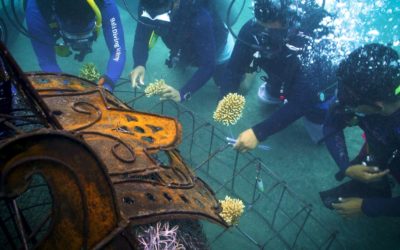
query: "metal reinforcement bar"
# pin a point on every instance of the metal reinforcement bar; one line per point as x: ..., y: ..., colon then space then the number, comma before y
x: 217, y: 146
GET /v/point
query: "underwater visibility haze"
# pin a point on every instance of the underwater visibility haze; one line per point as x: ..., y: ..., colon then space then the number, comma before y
x: 278, y: 183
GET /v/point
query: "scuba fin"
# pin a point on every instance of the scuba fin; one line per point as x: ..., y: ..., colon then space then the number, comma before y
x: 355, y: 188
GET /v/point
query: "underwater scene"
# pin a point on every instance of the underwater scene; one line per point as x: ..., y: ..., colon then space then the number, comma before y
x: 200, y: 124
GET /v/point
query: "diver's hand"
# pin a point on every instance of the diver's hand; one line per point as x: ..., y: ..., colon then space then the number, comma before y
x: 365, y: 174
x: 348, y: 207
x: 170, y: 93
x: 137, y: 76
x: 247, y: 140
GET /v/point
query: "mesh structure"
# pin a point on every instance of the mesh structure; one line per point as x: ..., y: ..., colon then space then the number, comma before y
x: 26, y: 218
x: 275, y: 216
x: 32, y: 209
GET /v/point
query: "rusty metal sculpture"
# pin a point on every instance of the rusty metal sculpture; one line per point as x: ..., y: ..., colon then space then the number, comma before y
x: 107, y: 166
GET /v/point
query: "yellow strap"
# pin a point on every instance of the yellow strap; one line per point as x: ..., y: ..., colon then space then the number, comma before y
x: 97, y: 12
x: 152, y: 40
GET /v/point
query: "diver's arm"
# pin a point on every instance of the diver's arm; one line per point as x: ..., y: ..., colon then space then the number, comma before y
x: 41, y: 38
x: 279, y: 120
x: 241, y: 58
x: 140, y: 49
x: 300, y: 103
x: 336, y: 143
x: 205, y: 49
x: 114, y: 36
x: 381, y: 206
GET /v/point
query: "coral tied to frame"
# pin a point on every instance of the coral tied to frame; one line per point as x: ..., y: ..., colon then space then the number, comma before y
x: 229, y: 109
x: 155, y: 88
x: 232, y: 209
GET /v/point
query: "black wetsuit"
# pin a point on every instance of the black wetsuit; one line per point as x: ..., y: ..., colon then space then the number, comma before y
x: 5, y: 96
x: 383, y: 139
x: 302, y: 81
x: 194, y: 36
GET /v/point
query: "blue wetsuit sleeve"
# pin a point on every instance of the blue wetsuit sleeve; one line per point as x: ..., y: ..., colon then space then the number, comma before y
x: 114, y: 36
x: 41, y: 38
x: 299, y: 104
x: 336, y: 143
x: 205, y: 49
x: 241, y: 58
x: 140, y: 49
x: 381, y: 206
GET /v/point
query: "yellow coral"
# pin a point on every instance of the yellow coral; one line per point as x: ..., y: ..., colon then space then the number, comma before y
x: 232, y: 209
x: 89, y: 72
x: 155, y: 88
x: 229, y: 109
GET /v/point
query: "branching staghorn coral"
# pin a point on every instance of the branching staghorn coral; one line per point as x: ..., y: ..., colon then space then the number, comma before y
x: 89, y: 72
x: 160, y: 237
x: 229, y: 109
x: 155, y: 88
x: 232, y: 209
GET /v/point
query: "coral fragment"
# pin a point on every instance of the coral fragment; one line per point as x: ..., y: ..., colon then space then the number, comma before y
x: 155, y: 88
x: 89, y: 72
x: 232, y: 209
x: 229, y: 109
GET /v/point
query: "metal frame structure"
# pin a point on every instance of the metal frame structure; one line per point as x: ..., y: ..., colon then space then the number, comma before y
x: 69, y: 140
x: 288, y: 221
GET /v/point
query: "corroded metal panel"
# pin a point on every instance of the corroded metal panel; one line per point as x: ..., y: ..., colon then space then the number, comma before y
x: 84, y: 207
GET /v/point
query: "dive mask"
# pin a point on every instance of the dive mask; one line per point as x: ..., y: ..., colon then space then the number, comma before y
x: 271, y: 42
x: 349, y: 101
x: 77, y: 39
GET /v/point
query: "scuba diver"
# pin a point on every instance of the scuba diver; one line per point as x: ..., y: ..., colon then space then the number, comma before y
x: 369, y: 97
x: 58, y: 27
x: 195, y: 35
x: 279, y: 41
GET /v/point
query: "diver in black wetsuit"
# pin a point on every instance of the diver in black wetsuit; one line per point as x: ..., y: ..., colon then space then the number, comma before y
x: 195, y: 35
x: 276, y: 43
x: 5, y: 97
x: 369, y: 96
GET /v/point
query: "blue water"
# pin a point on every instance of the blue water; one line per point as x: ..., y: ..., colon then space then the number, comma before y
x: 305, y: 167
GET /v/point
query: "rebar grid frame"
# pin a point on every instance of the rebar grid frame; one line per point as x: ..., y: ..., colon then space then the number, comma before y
x: 230, y: 173
x: 16, y: 213
x: 283, y: 226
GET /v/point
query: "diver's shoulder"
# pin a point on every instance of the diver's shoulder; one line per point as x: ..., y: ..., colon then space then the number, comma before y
x: 201, y: 16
